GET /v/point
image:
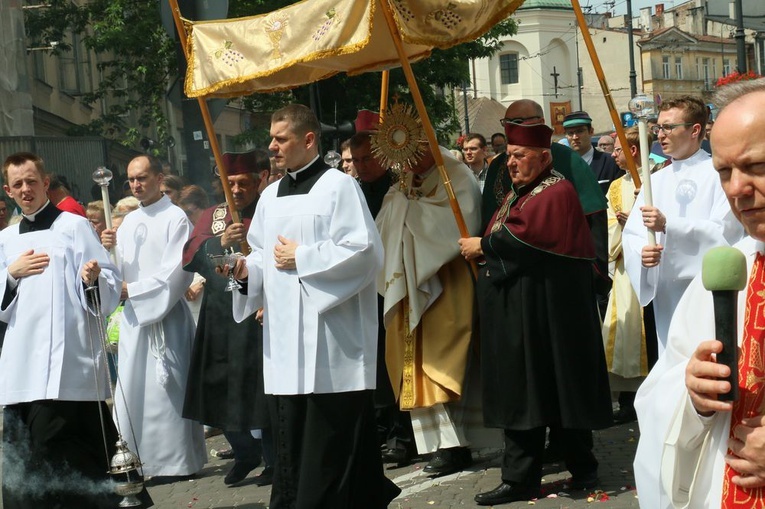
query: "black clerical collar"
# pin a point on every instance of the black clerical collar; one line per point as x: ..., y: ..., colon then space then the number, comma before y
x: 40, y: 220
x: 294, y: 174
x: 302, y: 181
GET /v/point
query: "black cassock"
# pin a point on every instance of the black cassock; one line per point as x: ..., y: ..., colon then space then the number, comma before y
x: 541, y: 349
x: 225, y: 384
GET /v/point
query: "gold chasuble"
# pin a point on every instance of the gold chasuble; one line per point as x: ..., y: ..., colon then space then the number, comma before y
x: 424, y: 373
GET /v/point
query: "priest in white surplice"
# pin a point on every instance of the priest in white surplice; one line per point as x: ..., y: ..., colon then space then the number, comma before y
x: 705, y: 453
x: 156, y: 330
x: 53, y: 384
x: 690, y: 215
x: 315, y: 254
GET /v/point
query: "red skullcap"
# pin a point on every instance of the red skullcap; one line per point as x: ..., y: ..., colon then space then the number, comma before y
x: 237, y: 164
x: 538, y: 135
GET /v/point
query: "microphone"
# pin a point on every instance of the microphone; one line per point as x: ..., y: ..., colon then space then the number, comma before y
x: 723, y: 272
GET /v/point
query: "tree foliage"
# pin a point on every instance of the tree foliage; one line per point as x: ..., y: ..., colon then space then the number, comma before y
x: 137, y: 61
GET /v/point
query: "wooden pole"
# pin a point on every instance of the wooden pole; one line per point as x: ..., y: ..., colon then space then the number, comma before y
x: 222, y: 171
x: 631, y: 166
x: 384, y: 94
x: 429, y: 132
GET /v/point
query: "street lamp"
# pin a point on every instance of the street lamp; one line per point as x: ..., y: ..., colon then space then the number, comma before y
x: 644, y: 107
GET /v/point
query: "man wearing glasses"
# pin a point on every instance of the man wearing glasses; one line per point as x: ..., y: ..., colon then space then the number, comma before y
x: 690, y: 214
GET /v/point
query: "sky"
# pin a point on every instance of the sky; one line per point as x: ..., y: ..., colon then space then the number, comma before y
x: 620, y: 6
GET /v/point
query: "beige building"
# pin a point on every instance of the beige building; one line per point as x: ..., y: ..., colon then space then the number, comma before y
x: 42, y: 104
x: 538, y: 63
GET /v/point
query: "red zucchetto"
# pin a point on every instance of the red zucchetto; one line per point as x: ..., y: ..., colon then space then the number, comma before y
x: 239, y: 163
x: 538, y: 135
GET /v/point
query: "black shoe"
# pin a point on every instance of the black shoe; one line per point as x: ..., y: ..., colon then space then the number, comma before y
x: 266, y: 477
x: 449, y: 461
x: 506, y: 493
x: 400, y: 456
x: 625, y: 414
x: 584, y: 481
x: 239, y: 471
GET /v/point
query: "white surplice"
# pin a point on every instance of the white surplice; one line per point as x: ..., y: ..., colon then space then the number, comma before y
x: 689, y: 194
x: 47, y: 349
x: 680, y: 456
x: 320, y: 319
x: 156, y: 336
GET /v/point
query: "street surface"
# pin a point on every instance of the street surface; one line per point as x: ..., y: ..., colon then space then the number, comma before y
x: 614, y: 448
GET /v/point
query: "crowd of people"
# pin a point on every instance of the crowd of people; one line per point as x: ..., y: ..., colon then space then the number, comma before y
x: 337, y: 321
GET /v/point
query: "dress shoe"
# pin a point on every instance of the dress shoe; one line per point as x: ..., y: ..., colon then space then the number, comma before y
x: 449, y: 461
x: 586, y: 481
x: 400, y: 456
x: 625, y: 414
x: 506, y: 493
x: 239, y: 471
x: 266, y: 477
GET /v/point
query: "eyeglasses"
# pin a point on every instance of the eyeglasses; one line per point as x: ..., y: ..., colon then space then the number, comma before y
x: 667, y: 128
x: 516, y: 120
x: 618, y: 150
x: 576, y: 131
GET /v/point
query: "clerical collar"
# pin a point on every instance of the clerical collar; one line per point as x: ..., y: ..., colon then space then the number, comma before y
x: 589, y: 155
x: 32, y: 217
x: 294, y: 174
x: 40, y: 220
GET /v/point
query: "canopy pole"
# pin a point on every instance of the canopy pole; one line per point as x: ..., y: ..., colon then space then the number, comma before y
x: 631, y: 166
x: 222, y: 171
x: 429, y: 132
x: 384, y: 94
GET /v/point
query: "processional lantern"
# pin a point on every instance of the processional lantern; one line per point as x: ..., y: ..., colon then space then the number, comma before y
x: 643, y: 107
x: 103, y: 176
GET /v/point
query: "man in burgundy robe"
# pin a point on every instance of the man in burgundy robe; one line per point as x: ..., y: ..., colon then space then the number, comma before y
x: 225, y: 387
x: 539, y: 325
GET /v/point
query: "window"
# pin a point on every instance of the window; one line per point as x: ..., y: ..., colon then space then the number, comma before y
x: 665, y: 67
x: 679, y: 68
x: 508, y: 68
x: 38, y: 59
x: 726, y: 66
x: 705, y: 77
x: 75, y: 69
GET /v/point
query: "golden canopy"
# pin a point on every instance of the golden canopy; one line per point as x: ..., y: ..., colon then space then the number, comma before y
x: 315, y: 39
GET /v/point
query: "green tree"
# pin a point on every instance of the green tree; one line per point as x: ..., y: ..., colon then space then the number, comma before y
x: 135, y: 59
